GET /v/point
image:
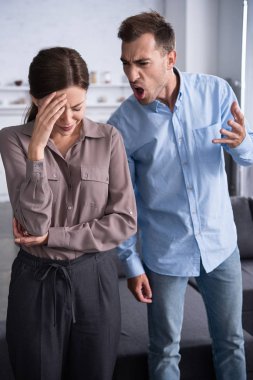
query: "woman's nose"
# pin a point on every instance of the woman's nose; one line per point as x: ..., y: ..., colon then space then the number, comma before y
x: 66, y: 115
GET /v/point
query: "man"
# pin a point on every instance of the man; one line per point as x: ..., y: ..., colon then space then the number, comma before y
x: 175, y: 127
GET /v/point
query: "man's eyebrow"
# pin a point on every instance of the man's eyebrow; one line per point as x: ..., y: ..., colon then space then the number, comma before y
x: 135, y: 61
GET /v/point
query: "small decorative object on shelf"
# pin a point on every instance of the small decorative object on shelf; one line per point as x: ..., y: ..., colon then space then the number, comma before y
x: 102, y: 99
x: 19, y: 101
x: 18, y: 82
x: 120, y: 99
x: 93, y: 77
x: 106, y: 77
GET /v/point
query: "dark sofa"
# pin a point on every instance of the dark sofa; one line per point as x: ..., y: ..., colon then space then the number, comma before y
x: 196, y: 361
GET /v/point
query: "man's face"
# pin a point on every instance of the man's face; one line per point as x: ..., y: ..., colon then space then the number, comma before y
x: 146, y: 67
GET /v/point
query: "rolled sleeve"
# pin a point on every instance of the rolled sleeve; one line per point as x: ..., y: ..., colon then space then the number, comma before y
x: 29, y: 191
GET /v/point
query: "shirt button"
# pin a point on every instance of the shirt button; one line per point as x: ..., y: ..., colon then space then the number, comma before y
x: 54, y: 175
x: 69, y: 207
x: 130, y: 211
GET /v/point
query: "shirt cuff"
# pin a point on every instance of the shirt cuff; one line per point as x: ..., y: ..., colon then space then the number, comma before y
x: 245, y: 147
x: 35, y: 169
x: 58, y: 237
x: 133, y: 266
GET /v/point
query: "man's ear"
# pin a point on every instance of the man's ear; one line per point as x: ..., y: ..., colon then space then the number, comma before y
x: 171, y: 59
x: 35, y: 101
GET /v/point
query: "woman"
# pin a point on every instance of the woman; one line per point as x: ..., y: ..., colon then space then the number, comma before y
x: 73, y: 202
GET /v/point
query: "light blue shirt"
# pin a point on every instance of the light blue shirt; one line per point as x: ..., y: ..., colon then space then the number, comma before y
x: 184, y: 209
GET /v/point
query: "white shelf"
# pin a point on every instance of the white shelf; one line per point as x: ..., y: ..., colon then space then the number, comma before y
x: 92, y: 85
x: 109, y: 85
x: 22, y: 107
x: 14, y: 107
x: 13, y: 114
x: 14, y: 88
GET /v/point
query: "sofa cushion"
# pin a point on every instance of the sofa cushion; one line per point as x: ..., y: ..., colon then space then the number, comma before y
x: 244, y: 225
x: 247, y: 281
x: 133, y: 347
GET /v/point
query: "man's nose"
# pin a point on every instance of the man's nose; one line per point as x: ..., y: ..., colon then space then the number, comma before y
x: 132, y: 73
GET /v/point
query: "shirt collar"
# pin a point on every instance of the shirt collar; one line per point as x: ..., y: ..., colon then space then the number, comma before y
x: 92, y: 129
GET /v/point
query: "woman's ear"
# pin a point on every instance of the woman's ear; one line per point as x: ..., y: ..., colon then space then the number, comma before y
x: 35, y: 101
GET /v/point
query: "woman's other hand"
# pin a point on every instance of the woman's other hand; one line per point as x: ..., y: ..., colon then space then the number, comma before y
x: 21, y: 236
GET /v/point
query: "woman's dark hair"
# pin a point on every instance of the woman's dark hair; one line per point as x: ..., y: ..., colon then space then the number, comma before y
x: 134, y: 27
x: 54, y: 69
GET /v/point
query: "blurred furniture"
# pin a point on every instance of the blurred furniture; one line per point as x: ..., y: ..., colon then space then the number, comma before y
x: 196, y: 360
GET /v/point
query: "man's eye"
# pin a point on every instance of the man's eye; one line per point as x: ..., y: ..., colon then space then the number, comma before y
x: 143, y: 63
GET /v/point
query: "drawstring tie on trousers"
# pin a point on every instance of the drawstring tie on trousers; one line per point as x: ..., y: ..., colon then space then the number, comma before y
x: 56, y: 268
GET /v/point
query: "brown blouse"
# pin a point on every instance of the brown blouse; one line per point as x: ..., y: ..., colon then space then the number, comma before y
x: 85, y: 200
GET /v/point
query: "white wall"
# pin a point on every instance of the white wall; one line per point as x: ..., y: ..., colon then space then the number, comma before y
x: 208, y: 34
x: 230, y: 38
x: 196, y: 25
x: 89, y: 26
x: 175, y: 13
x: 201, y: 36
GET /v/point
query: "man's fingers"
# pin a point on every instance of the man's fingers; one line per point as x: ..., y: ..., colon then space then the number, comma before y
x: 237, y: 114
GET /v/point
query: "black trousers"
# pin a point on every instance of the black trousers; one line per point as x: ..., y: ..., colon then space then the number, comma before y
x: 63, y: 319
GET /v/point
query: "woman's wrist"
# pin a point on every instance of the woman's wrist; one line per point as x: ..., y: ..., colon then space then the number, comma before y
x: 35, y: 153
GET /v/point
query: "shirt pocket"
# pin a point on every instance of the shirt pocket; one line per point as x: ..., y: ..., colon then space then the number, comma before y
x: 208, y: 152
x: 54, y: 182
x: 94, y: 188
x: 96, y: 174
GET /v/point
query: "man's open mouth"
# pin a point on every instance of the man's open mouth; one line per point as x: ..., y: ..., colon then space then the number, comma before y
x: 138, y: 92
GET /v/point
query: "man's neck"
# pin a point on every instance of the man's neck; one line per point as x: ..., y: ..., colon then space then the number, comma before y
x: 171, y: 90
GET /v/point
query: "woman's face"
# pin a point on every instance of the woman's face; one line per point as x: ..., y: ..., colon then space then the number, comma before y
x: 71, y: 119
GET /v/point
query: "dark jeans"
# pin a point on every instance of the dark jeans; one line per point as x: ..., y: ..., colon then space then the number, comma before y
x: 63, y: 319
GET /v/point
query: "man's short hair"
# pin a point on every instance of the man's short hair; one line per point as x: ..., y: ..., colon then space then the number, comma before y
x: 152, y: 22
